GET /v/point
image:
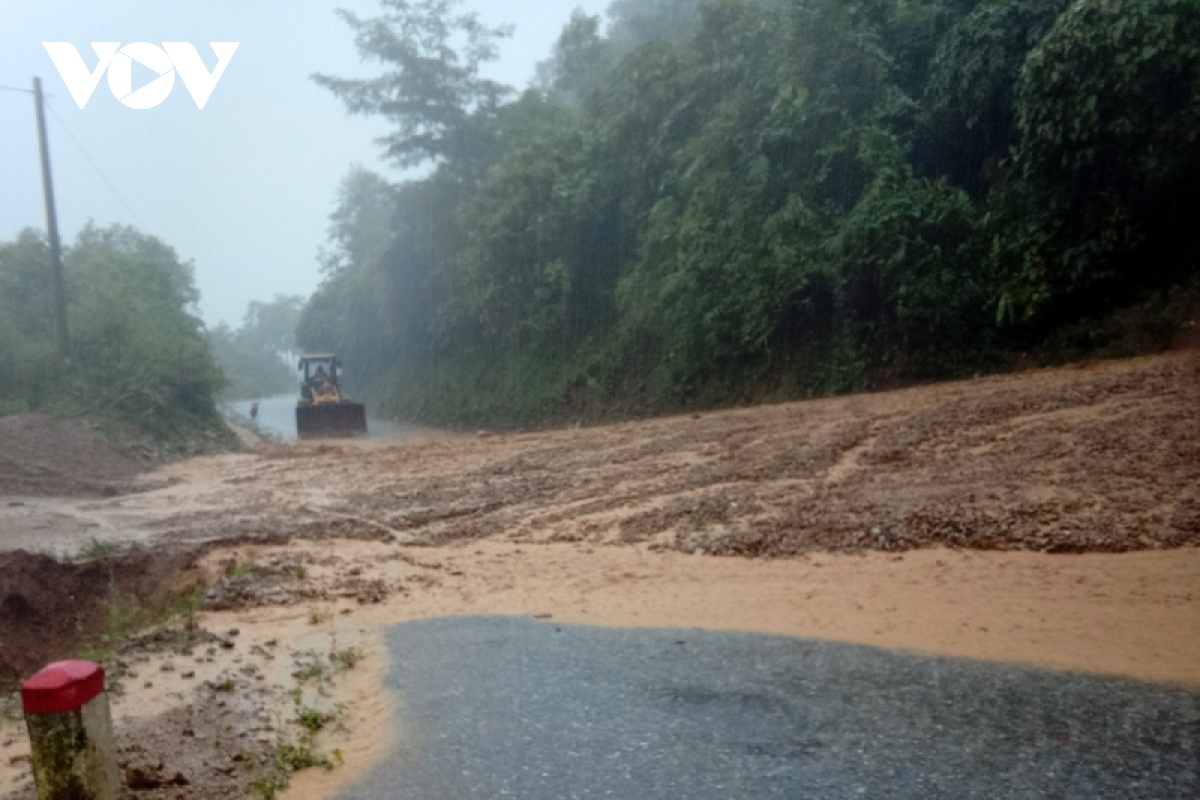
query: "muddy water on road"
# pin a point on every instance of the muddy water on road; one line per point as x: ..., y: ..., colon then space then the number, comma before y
x: 277, y: 417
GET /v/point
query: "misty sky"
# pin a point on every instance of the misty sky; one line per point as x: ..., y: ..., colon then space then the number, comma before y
x: 243, y: 188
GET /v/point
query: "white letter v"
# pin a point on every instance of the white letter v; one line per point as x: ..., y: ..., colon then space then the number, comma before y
x: 80, y: 82
x: 196, y: 76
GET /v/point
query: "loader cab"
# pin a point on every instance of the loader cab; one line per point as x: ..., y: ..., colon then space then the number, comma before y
x: 322, y: 379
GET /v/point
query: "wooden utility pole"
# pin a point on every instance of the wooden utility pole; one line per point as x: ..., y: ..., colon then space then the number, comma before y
x: 56, y: 266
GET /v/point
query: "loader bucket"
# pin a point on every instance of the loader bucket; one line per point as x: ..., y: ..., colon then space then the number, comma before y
x: 338, y: 421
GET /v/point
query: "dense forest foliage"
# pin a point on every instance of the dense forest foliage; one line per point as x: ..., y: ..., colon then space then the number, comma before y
x: 138, y: 354
x: 711, y: 202
x: 259, y: 358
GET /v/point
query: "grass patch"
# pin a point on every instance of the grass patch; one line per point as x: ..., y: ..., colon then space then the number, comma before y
x: 224, y: 684
x: 186, y: 606
x: 311, y: 667
x: 345, y: 659
x: 314, y: 670
x: 95, y: 550
x: 243, y: 570
x: 297, y: 756
x: 267, y: 787
x: 295, y: 753
x: 313, y: 720
x: 10, y: 711
x: 124, y: 617
x: 290, y: 756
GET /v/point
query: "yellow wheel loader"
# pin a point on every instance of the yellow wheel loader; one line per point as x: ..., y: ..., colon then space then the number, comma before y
x: 323, y: 412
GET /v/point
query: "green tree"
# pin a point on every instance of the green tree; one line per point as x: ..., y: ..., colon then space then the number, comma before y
x: 361, y: 226
x: 969, y: 114
x: 435, y: 94
x: 583, y: 58
x: 909, y: 259
x: 138, y: 350
x: 349, y: 312
x: 27, y: 335
x: 1108, y: 108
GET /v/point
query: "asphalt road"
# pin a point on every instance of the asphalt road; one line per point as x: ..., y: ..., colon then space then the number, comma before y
x: 499, y: 707
x: 277, y: 416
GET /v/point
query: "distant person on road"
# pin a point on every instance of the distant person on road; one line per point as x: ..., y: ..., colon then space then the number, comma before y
x: 254, y: 411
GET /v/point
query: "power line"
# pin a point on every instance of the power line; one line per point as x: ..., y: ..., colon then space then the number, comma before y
x: 25, y: 91
x: 96, y: 167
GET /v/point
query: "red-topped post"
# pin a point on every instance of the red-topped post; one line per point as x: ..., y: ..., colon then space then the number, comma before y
x: 70, y: 733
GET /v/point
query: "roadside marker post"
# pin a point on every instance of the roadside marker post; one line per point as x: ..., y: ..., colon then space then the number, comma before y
x: 70, y: 733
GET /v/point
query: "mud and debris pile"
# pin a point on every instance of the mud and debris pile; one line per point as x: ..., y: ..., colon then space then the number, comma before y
x: 1094, y: 458
x: 48, y: 457
x: 300, y: 579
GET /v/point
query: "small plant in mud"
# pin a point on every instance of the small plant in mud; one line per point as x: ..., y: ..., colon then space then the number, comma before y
x: 224, y: 683
x: 243, y: 570
x: 345, y: 659
x: 123, y: 617
x: 311, y: 670
x: 290, y: 757
x: 267, y: 787
x: 10, y: 710
x: 316, y: 617
x: 313, y: 720
x: 271, y: 779
x: 296, y: 756
x: 95, y: 550
x: 186, y: 605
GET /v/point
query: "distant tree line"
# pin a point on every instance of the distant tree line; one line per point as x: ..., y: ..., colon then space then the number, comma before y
x: 138, y: 354
x: 259, y: 358
x: 710, y: 202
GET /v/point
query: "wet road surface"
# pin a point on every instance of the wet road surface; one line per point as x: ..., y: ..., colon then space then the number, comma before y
x: 277, y: 417
x: 501, y: 707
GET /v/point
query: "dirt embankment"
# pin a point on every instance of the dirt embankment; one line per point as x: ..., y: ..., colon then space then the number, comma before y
x: 44, y: 456
x: 51, y: 609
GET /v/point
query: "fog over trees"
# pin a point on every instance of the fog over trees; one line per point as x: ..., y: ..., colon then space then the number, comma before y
x: 705, y: 202
x: 259, y: 358
x: 697, y: 203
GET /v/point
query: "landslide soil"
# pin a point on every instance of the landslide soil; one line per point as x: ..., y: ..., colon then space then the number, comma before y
x: 1099, y: 458
x: 45, y: 456
x: 1049, y: 518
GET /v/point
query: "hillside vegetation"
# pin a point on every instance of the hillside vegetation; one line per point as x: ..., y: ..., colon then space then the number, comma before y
x: 710, y: 202
x: 138, y: 355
